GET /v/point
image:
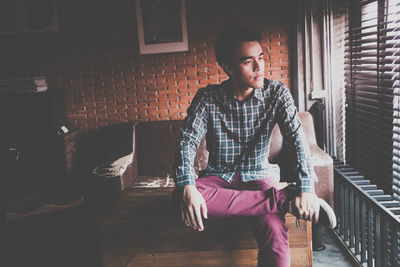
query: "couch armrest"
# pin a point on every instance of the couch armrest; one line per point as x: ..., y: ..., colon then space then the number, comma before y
x: 323, y: 167
x: 131, y: 172
x: 117, y: 171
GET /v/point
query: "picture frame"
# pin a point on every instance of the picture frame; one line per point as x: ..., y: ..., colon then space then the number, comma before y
x: 162, y: 26
x: 19, y: 16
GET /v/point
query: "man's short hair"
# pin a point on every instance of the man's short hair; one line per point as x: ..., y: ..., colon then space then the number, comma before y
x: 229, y: 39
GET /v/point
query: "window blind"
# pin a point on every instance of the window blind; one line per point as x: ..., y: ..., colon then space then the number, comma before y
x: 395, y: 41
x: 371, y: 48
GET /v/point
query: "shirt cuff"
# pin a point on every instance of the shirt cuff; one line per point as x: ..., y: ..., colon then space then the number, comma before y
x: 185, y: 181
x: 306, y: 185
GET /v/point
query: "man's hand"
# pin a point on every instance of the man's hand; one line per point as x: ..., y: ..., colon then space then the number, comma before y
x: 193, y: 207
x: 307, y: 205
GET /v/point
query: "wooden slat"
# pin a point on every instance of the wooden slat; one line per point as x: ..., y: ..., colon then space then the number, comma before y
x: 243, y: 258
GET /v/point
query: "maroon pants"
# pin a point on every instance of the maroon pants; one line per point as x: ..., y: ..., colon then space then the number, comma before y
x: 259, y: 199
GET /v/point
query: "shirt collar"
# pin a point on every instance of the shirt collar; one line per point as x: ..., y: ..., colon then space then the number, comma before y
x: 227, y: 85
x: 258, y: 93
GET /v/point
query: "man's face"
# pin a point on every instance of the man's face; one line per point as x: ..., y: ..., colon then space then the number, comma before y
x: 247, y: 68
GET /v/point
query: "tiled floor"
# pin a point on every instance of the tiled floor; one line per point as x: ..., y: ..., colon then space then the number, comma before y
x: 333, y: 255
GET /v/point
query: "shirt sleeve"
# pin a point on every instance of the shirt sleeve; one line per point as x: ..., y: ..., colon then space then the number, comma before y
x: 193, y: 130
x: 296, y: 141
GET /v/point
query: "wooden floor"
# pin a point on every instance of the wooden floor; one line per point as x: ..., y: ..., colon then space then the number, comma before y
x: 144, y: 229
x: 62, y: 238
x: 140, y: 228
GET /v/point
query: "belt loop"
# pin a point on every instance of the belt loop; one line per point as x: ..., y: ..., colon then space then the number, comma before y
x: 237, y: 179
x: 237, y: 175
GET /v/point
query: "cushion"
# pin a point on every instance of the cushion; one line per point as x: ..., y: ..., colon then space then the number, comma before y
x: 156, y: 147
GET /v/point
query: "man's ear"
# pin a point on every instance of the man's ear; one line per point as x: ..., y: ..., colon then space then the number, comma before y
x: 228, y: 69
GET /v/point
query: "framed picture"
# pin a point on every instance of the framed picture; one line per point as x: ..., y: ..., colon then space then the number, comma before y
x: 161, y: 26
x: 19, y: 16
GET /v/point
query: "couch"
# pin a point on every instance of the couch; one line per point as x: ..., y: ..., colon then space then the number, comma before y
x: 146, y: 177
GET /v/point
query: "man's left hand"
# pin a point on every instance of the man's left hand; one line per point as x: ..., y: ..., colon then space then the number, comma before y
x: 307, y: 205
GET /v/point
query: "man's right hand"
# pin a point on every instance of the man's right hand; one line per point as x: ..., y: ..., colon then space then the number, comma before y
x: 193, y: 207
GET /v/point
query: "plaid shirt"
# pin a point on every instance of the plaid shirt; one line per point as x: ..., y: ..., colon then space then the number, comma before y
x: 238, y: 134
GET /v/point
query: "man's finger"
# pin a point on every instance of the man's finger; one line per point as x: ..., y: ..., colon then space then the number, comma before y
x: 186, y: 214
x: 316, y: 215
x: 183, y: 216
x: 186, y: 218
x: 204, y: 210
x: 312, y: 215
x: 306, y: 215
x: 192, y: 218
x: 199, y: 221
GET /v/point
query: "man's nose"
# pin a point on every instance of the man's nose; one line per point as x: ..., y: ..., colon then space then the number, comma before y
x: 257, y: 65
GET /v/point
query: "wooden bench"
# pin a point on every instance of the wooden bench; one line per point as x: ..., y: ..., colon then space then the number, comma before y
x: 144, y: 229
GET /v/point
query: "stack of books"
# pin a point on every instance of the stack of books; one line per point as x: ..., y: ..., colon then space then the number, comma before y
x: 23, y: 85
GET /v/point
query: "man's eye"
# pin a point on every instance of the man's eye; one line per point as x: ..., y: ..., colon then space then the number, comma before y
x: 247, y: 62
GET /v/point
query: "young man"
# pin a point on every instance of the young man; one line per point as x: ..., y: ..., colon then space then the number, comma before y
x: 237, y: 118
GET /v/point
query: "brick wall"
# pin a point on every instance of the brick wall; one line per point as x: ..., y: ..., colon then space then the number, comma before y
x: 95, y: 58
